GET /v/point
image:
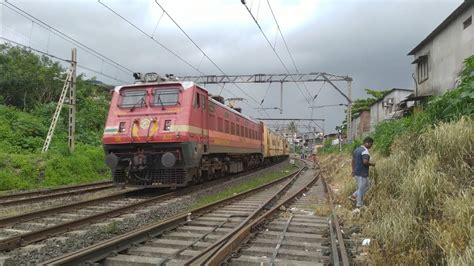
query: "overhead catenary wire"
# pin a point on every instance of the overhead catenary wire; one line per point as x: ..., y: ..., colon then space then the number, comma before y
x: 151, y: 37
x: 275, y: 52
x: 157, y: 42
x: 201, y: 50
x: 66, y: 37
x: 285, y: 43
x: 60, y: 59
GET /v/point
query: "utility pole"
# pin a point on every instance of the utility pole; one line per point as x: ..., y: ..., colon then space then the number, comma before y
x: 69, y: 86
x: 349, y: 111
x: 281, y: 97
x: 72, y: 102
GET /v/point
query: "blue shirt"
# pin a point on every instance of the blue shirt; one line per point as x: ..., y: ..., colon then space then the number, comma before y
x: 358, y: 156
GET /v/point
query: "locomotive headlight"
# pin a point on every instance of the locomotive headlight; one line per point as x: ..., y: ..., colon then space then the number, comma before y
x: 167, y: 126
x: 151, y: 77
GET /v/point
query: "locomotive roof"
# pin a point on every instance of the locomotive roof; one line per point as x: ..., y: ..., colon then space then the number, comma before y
x: 186, y: 85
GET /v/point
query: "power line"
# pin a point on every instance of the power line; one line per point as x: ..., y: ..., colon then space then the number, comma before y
x: 273, y: 48
x: 66, y: 37
x: 202, y: 51
x: 151, y: 37
x: 60, y: 59
x: 286, y: 45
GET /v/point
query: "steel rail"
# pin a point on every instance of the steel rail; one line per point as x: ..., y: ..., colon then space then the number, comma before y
x: 342, y: 248
x: 103, y: 249
x: 217, y: 244
x: 233, y: 243
x: 53, y: 196
x: 50, y: 191
x: 54, y: 210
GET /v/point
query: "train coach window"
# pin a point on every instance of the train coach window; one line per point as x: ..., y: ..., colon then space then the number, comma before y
x: 133, y: 99
x: 242, y: 132
x: 165, y: 97
x: 237, y: 130
x: 232, y: 128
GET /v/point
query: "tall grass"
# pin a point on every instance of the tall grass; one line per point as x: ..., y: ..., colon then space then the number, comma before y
x: 421, y: 211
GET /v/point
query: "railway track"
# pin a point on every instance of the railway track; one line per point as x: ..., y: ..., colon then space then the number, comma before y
x: 24, y: 229
x: 211, y: 234
x: 41, y: 195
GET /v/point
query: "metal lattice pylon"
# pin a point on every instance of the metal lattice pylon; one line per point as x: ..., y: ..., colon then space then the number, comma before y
x: 57, y: 112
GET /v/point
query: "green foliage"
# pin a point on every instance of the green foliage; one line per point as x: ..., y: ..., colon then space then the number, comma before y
x: 449, y: 107
x: 420, y: 209
x: 30, y: 87
x: 364, y: 104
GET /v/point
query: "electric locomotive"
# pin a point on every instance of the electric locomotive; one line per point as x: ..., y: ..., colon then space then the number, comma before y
x: 169, y: 133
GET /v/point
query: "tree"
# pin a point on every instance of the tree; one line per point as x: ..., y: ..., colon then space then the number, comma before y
x: 292, y: 127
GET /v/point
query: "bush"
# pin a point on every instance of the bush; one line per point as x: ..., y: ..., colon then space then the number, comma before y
x: 420, y: 209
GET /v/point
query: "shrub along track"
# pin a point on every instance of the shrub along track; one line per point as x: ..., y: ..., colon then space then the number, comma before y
x: 208, y: 234
x: 41, y: 195
x: 24, y: 229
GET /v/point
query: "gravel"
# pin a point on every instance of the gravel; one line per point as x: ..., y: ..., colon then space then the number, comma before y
x: 86, y: 236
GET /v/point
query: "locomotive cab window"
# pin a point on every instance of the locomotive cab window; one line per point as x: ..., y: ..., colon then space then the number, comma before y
x: 197, y: 101
x: 132, y: 99
x: 165, y: 97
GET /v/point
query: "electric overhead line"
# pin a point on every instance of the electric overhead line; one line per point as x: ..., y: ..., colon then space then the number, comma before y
x: 60, y: 59
x: 159, y: 43
x: 151, y: 37
x: 66, y: 37
x: 286, y: 44
x: 274, y: 51
x: 202, y: 51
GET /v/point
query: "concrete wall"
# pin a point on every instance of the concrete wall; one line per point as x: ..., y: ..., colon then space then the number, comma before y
x: 446, y: 53
x: 379, y: 113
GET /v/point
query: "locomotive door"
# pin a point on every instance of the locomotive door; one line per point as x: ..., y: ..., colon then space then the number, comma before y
x: 205, y: 118
x: 201, y: 104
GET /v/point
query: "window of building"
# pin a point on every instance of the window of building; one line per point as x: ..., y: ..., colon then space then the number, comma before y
x: 467, y: 22
x: 226, y: 126
x: 422, y: 69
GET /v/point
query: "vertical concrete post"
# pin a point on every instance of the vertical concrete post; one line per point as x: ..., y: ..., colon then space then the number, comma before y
x: 349, y: 111
x: 72, y: 102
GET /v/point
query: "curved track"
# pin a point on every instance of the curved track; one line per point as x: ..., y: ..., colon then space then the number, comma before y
x: 211, y: 234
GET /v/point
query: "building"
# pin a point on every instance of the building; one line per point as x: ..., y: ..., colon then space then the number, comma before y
x: 439, y: 57
x: 360, y: 124
x: 389, y: 106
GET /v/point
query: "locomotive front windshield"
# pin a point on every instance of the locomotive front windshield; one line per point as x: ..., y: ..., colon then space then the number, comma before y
x: 133, y: 99
x: 165, y: 97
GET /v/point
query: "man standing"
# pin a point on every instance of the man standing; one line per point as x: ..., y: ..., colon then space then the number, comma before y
x: 360, y: 170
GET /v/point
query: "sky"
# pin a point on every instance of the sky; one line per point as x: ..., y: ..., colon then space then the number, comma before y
x: 367, y: 40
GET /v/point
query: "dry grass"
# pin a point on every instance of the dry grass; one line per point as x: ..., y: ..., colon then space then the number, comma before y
x: 420, y: 207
